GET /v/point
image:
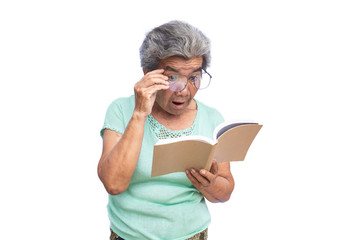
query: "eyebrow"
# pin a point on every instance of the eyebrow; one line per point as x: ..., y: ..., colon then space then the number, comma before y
x: 167, y: 68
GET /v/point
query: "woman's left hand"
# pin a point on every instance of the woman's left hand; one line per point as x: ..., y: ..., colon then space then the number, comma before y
x: 216, y: 185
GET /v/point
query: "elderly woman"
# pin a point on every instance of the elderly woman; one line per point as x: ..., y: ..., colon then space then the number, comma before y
x: 174, y: 58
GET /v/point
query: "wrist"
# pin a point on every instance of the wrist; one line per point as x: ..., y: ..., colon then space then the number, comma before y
x: 139, y: 116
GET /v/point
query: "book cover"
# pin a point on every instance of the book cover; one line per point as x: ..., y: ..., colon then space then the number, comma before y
x: 231, y: 142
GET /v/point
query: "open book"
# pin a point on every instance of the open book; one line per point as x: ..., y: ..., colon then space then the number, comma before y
x: 230, y: 142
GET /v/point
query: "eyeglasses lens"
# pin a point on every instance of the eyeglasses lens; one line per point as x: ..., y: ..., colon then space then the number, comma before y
x: 179, y: 82
x: 203, y: 81
x: 177, y: 85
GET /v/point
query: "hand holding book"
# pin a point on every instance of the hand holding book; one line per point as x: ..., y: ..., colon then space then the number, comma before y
x: 230, y: 143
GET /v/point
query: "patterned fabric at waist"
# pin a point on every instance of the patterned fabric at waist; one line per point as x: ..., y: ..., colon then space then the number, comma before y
x: 199, y: 236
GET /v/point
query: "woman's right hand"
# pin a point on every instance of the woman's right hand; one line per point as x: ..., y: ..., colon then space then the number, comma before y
x: 146, y: 89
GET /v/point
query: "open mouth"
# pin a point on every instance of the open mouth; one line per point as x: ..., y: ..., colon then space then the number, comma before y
x: 177, y: 103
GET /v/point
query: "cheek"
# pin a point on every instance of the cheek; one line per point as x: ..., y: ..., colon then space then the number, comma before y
x: 193, y: 92
x: 163, y: 96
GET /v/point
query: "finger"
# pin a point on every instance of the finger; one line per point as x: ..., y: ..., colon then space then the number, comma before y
x: 150, y: 90
x: 150, y: 80
x: 160, y: 70
x: 145, y: 97
x: 214, y: 167
x: 155, y: 88
x: 148, y: 94
x: 156, y: 73
x: 207, y: 175
x: 192, y: 178
x: 200, y: 178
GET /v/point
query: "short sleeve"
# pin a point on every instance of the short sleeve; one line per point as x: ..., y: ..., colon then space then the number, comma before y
x: 217, y: 117
x: 209, y: 119
x: 115, y: 118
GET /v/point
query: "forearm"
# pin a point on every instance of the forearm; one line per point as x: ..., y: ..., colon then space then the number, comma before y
x: 117, y: 168
x: 120, y: 155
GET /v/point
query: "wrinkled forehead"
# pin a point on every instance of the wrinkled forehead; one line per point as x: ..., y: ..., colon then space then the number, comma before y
x: 180, y: 65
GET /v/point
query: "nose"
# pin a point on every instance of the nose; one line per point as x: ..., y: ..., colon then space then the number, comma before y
x: 184, y: 92
x: 177, y: 86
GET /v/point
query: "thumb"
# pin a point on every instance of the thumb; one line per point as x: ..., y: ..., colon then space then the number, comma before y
x: 214, y: 167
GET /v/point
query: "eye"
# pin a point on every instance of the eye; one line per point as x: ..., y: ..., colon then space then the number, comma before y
x: 173, y: 77
x: 194, y: 78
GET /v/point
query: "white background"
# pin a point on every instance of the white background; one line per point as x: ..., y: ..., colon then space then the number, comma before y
x: 291, y: 65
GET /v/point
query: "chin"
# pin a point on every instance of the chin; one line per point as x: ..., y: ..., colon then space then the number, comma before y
x: 176, y: 111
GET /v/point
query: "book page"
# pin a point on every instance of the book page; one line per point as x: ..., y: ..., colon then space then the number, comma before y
x: 225, y: 126
x: 234, y: 143
x: 186, y: 138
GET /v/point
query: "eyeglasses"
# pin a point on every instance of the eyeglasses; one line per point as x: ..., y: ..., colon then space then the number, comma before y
x: 179, y: 82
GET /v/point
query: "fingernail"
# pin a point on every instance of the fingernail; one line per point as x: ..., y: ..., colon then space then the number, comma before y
x: 193, y: 171
x: 202, y: 172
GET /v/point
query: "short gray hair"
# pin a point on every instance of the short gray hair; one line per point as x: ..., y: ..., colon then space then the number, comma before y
x: 175, y: 38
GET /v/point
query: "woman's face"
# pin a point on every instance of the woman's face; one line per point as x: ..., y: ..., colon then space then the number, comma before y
x: 176, y: 103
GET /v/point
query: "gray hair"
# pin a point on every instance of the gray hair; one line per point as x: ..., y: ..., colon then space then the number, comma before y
x: 174, y: 38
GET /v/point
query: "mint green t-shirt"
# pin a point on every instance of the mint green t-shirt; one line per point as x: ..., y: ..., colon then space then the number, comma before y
x: 165, y: 207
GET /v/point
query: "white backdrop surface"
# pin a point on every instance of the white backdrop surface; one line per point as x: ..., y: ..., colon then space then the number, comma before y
x: 290, y: 65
